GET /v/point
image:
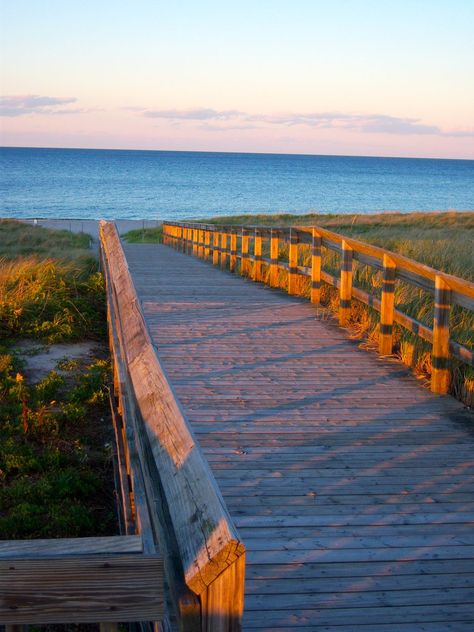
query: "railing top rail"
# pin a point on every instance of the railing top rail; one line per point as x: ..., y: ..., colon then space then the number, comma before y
x: 206, y: 536
x: 458, y: 284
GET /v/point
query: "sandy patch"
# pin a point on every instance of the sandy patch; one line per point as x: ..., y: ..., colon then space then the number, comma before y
x: 39, y: 360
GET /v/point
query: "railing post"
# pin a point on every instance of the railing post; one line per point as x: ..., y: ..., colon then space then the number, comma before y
x: 244, y: 261
x: 215, y: 249
x: 293, y: 262
x: 387, y: 307
x: 207, y: 238
x: 223, y: 247
x: 274, y: 258
x: 233, y: 249
x: 345, y: 290
x: 316, y: 267
x: 201, y: 243
x: 184, y: 237
x: 440, y: 351
x: 190, y: 240
x: 195, y: 241
x: 257, y: 251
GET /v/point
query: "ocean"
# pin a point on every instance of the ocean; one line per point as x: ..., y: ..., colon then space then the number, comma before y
x: 92, y: 184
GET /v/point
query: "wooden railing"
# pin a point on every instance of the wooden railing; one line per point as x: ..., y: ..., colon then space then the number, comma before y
x: 204, y: 559
x: 229, y: 244
x: 79, y: 580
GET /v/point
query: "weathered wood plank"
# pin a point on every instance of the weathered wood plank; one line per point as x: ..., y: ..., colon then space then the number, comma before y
x: 315, y: 443
x: 206, y: 537
x: 117, y: 544
x: 91, y: 588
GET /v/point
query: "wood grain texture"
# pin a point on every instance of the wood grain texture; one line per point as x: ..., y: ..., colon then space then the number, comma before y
x: 206, y: 537
x: 81, y: 589
x: 71, y: 546
x: 336, y: 465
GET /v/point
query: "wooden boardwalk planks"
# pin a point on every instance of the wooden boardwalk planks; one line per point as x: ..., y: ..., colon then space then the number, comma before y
x: 351, y: 484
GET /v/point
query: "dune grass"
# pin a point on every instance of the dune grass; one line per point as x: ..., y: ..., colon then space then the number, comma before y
x: 55, y: 464
x: 144, y: 235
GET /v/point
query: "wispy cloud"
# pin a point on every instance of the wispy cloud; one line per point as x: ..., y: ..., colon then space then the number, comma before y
x: 209, y: 127
x: 20, y: 105
x: 368, y: 123
x: 198, y: 114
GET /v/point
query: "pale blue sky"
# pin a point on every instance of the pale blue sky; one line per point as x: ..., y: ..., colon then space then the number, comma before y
x: 357, y: 77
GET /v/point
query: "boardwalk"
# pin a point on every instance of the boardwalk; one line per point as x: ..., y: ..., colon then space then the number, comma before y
x: 351, y: 485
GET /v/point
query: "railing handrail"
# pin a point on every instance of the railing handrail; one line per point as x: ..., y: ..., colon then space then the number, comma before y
x: 447, y: 289
x: 458, y: 284
x: 211, y: 552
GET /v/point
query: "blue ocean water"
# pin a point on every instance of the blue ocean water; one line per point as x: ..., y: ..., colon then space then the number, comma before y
x: 83, y: 183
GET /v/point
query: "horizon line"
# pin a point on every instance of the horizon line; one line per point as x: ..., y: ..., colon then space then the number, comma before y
x: 207, y: 151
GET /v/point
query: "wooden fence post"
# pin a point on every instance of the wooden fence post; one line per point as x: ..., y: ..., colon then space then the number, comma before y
x: 215, y: 246
x: 233, y: 249
x: 440, y: 352
x: 195, y: 241
x: 244, y: 262
x: 274, y: 258
x: 293, y: 262
x: 387, y: 307
x: 316, y: 267
x: 207, y: 237
x: 345, y: 294
x: 223, y: 247
x: 257, y: 251
x: 187, y: 245
x: 199, y: 242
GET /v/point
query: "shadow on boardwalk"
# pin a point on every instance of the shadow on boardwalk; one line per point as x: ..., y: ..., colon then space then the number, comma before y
x: 350, y: 483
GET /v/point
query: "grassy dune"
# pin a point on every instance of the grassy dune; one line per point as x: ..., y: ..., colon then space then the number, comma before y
x: 55, y: 467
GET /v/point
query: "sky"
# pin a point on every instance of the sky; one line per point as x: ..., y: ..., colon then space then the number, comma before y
x: 350, y: 77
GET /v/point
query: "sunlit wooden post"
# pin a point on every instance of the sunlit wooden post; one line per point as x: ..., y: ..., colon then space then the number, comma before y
x: 215, y: 246
x: 293, y: 262
x: 257, y: 251
x: 199, y: 242
x: 244, y: 262
x: 345, y: 290
x: 387, y: 307
x: 274, y: 258
x: 207, y: 241
x: 233, y: 249
x: 316, y: 267
x: 223, y: 247
x: 440, y: 351
x: 195, y: 240
x: 187, y: 247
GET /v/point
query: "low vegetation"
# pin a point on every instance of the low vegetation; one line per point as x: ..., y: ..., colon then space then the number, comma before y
x: 55, y: 456
x: 145, y: 235
x: 444, y: 241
